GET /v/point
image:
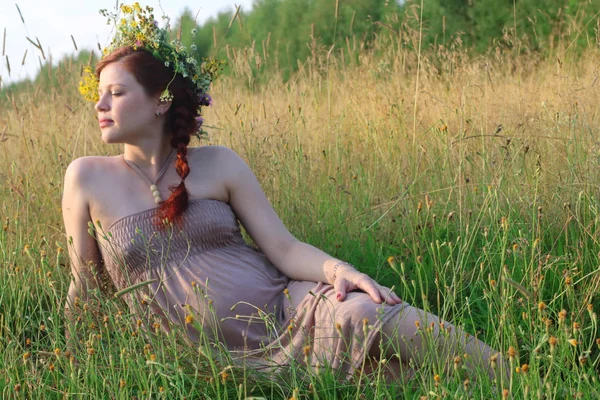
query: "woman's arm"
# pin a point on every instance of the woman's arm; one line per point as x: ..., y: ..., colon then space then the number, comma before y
x: 296, y: 259
x: 83, y: 249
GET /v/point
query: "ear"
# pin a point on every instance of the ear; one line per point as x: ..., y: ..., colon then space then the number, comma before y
x: 162, y: 107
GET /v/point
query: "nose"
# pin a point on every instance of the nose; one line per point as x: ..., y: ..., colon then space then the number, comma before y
x: 102, y: 104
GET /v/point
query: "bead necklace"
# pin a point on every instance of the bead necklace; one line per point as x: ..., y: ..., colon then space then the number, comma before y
x: 153, y: 187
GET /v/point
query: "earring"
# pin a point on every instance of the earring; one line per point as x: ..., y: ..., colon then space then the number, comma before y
x: 158, y: 113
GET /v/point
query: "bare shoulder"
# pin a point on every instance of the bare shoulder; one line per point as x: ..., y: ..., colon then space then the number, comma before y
x: 214, y: 156
x: 82, y: 171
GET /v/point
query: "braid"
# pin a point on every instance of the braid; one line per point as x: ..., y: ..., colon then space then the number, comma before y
x: 183, y: 123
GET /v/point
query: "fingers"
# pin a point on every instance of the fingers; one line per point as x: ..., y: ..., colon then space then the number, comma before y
x: 378, y: 293
x: 389, y: 296
x: 340, y: 286
x: 370, y: 287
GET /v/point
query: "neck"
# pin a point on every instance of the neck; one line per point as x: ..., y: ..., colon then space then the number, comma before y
x: 149, y: 158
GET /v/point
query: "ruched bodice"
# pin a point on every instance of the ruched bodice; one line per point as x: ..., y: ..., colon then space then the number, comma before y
x: 208, y: 225
x: 204, y: 269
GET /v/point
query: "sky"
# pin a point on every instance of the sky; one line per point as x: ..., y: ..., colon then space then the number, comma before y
x: 54, y: 21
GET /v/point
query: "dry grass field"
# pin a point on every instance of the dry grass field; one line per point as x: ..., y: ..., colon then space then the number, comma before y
x: 470, y: 184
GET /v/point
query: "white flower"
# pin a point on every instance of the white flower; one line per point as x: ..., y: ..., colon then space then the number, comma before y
x: 167, y: 64
x: 194, y: 31
x: 193, y: 47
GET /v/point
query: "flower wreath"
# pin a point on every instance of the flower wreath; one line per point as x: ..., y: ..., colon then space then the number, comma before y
x: 136, y: 27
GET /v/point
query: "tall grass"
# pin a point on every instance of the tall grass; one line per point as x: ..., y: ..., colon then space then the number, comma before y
x: 476, y: 199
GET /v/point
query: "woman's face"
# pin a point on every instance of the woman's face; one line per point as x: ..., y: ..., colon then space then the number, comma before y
x: 125, y: 111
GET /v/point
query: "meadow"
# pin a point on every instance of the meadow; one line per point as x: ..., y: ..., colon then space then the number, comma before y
x: 468, y: 183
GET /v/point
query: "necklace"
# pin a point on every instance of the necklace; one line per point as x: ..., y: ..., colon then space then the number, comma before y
x: 153, y: 187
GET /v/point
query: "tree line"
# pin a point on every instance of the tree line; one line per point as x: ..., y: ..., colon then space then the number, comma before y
x: 289, y: 30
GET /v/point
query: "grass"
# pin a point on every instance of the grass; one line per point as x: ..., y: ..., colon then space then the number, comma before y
x: 477, y: 199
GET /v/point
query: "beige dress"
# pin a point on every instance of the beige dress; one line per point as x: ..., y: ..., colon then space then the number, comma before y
x: 204, y: 269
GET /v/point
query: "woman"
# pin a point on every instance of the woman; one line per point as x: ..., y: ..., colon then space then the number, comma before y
x: 186, y: 257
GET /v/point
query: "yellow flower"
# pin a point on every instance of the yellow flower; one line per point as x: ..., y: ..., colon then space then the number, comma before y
x: 573, y: 342
x: 125, y: 9
x: 189, y: 319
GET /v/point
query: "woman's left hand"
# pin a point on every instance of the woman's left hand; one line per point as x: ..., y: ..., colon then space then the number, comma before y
x: 349, y: 279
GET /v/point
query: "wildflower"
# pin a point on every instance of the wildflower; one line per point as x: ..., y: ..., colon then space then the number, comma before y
x: 466, y: 384
x: 568, y: 281
x: 582, y: 360
x: 562, y: 315
x: 573, y: 342
x: 122, y: 383
x: 286, y: 291
x: 525, y: 368
x: 512, y: 352
x: 42, y: 327
x: 27, y: 342
x: 505, y: 393
x: 57, y: 352
x: 576, y: 326
x: 437, y: 378
x: 457, y: 361
x: 51, y: 367
x: 152, y: 357
x: 418, y: 324
x: 26, y: 356
x: 17, y: 387
x: 224, y: 376
x: 428, y: 202
x: 193, y: 48
x: 542, y: 306
x: 493, y: 283
x: 91, y: 351
x: 553, y: 341
x: 494, y: 361
x: 189, y: 319
x: 194, y: 31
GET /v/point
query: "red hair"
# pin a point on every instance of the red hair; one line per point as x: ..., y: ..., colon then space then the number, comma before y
x: 180, y: 120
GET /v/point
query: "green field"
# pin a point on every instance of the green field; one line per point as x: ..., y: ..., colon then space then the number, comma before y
x: 469, y: 183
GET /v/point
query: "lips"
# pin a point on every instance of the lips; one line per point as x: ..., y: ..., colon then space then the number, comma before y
x: 105, y: 122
